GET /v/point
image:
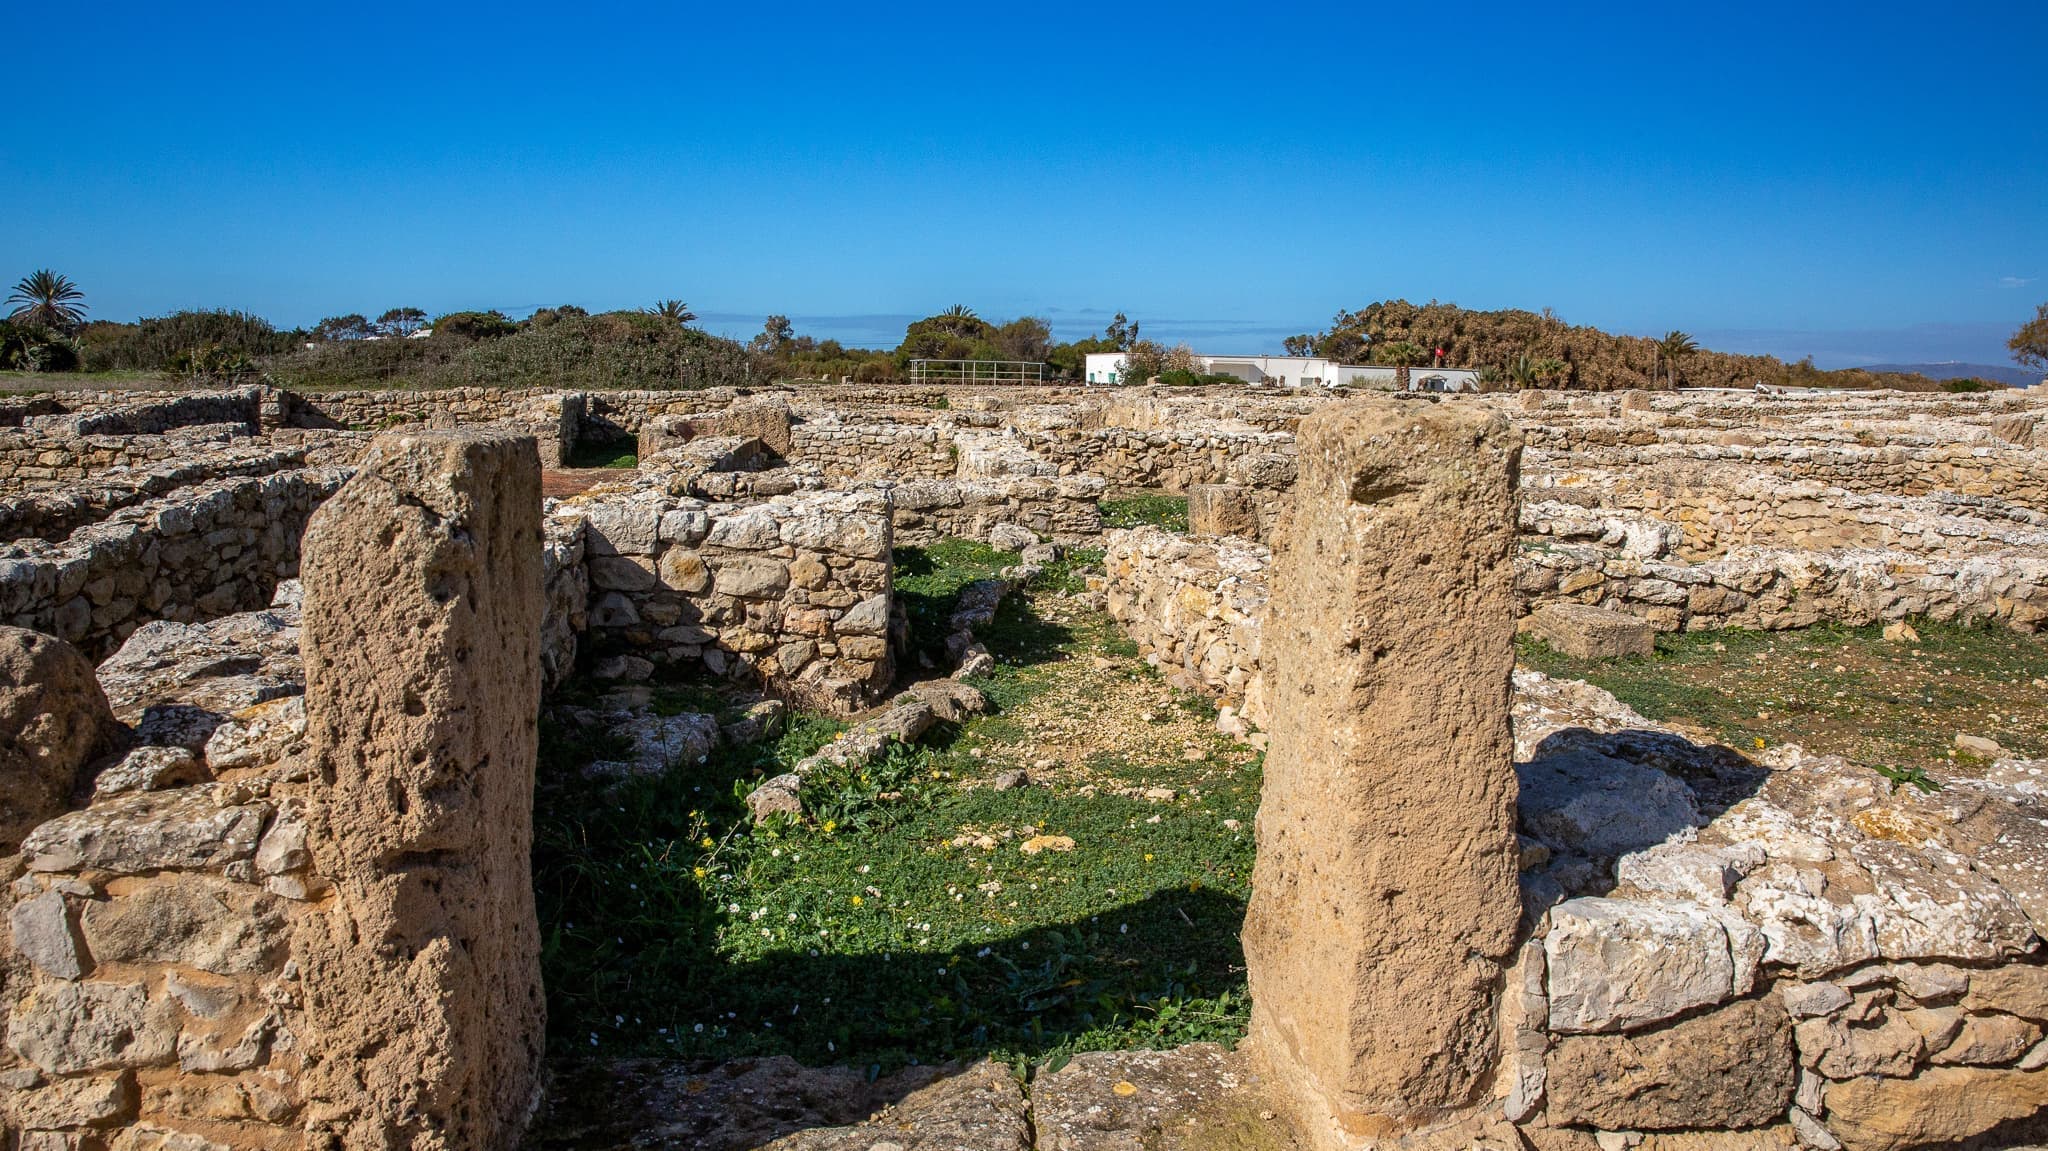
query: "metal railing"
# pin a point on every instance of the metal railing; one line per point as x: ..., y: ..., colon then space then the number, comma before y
x: 976, y: 372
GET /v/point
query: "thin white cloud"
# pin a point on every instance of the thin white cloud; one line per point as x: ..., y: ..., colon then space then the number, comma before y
x: 2015, y: 281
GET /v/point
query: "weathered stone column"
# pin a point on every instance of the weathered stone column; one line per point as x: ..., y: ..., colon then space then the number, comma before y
x: 1384, y: 900
x: 421, y: 632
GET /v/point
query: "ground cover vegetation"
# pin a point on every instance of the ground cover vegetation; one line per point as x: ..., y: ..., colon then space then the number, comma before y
x: 1837, y: 690
x: 918, y: 912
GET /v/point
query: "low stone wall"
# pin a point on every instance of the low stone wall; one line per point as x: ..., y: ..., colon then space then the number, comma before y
x: 793, y: 591
x: 34, y: 459
x: 1063, y: 509
x: 56, y: 510
x: 160, y: 413
x: 1712, y: 516
x: 874, y: 451
x: 1195, y: 608
x: 1793, y: 945
x: 204, y: 551
x: 1775, y: 589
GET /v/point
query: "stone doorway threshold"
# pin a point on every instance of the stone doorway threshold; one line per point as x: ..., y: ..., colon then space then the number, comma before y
x: 1195, y: 1098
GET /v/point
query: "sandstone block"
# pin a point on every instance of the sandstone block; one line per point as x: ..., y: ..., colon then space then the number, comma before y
x: 422, y: 997
x: 1221, y: 510
x: 1939, y: 1105
x: 1385, y: 901
x: 1728, y: 1068
x: 1583, y: 631
x: 54, y: 720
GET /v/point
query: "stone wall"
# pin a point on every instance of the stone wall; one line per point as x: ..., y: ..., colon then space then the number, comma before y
x: 160, y: 413
x: 1195, y: 609
x: 1057, y: 508
x: 309, y: 924
x: 874, y: 451
x: 34, y: 459
x: 55, y: 510
x: 203, y: 551
x: 1789, y: 944
x: 1777, y: 589
x: 792, y: 591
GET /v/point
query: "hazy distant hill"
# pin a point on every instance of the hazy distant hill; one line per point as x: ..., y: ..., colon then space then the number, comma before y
x: 1957, y: 370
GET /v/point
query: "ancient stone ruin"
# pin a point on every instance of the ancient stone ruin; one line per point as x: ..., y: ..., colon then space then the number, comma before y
x: 272, y: 666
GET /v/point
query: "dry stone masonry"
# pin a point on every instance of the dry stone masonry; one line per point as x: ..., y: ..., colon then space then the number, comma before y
x: 266, y: 883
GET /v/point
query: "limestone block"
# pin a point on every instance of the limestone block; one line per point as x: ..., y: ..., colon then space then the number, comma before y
x: 188, y: 921
x: 1728, y: 1068
x: 46, y: 936
x: 422, y: 999
x: 751, y: 577
x: 1617, y: 964
x: 1586, y: 632
x: 91, y: 1101
x: 149, y: 769
x: 1385, y: 901
x: 2016, y: 988
x: 186, y: 829
x: 54, y: 719
x: 69, y: 1028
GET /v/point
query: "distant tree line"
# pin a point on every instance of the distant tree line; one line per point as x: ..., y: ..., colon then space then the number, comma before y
x: 46, y: 329
x: 1516, y: 348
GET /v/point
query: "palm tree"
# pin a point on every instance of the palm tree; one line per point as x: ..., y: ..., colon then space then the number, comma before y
x: 675, y: 310
x: 958, y: 312
x: 47, y: 300
x: 1674, y: 347
x: 1522, y: 371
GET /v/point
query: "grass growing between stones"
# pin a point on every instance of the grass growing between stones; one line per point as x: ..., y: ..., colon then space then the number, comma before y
x: 1140, y: 509
x: 1836, y: 690
x: 591, y: 455
x: 904, y: 920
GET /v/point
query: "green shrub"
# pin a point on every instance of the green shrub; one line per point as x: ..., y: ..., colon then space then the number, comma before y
x: 474, y: 325
x: 28, y: 348
x: 162, y: 343
x: 1153, y: 509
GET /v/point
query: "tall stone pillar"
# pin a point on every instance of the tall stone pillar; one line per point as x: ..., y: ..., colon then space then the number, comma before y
x: 1384, y: 900
x: 421, y: 632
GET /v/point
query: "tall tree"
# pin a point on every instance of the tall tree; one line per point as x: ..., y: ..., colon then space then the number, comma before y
x: 1122, y: 332
x: 2030, y: 344
x: 47, y: 300
x: 354, y: 326
x: 401, y: 322
x: 674, y: 310
x: 1674, y: 347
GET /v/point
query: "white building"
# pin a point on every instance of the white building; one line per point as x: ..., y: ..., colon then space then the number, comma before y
x: 1299, y: 372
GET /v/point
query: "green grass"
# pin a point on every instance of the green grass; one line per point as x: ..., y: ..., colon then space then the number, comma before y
x: 590, y: 455
x: 1154, y: 509
x: 13, y: 381
x: 928, y: 581
x: 1836, y: 690
x: 863, y: 934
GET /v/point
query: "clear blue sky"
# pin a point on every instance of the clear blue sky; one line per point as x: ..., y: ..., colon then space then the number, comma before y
x: 1858, y: 181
